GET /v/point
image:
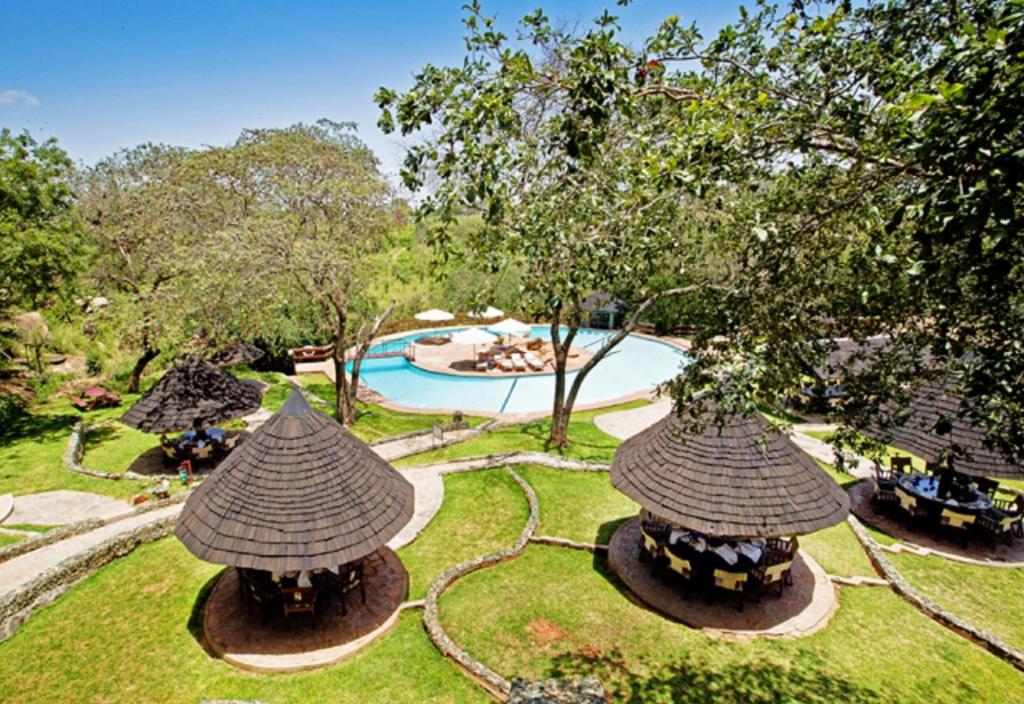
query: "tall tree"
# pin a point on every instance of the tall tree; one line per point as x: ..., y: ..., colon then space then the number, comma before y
x: 138, y: 209
x: 551, y: 142
x: 40, y: 237
x: 307, y: 210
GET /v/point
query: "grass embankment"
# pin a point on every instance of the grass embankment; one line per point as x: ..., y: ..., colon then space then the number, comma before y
x: 588, y: 442
x: 128, y: 634
x: 556, y: 612
x: 988, y: 597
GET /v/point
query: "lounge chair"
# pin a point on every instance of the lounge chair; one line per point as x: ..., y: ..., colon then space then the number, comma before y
x: 505, y: 363
x: 534, y: 362
x: 518, y: 362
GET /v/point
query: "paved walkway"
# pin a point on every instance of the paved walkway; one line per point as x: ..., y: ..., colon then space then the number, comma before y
x: 626, y: 424
x: 18, y: 571
x: 57, y: 508
x: 859, y: 467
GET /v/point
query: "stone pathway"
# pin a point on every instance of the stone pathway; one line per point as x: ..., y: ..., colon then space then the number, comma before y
x: 857, y: 466
x: 416, y: 444
x: 626, y: 424
x: 17, y: 571
x: 57, y: 508
x: 6, y: 506
x: 428, y: 497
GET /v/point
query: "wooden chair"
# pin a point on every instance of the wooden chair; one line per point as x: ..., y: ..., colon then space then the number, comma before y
x: 909, y: 503
x: 350, y: 579
x: 202, y: 454
x: 773, y: 577
x: 679, y: 566
x: 734, y: 582
x: 649, y: 547
x: 996, y: 524
x: 958, y: 521
x: 298, y: 600
x: 900, y: 465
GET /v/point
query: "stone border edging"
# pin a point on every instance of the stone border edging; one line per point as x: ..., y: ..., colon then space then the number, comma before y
x: 17, y: 606
x: 491, y: 680
x: 558, y: 542
x: 507, y: 459
x: 929, y: 608
x: 70, y: 530
x: 76, y: 449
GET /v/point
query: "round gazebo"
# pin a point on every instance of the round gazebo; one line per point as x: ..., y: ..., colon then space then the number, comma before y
x: 303, y: 512
x: 194, y: 392
x: 720, y: 510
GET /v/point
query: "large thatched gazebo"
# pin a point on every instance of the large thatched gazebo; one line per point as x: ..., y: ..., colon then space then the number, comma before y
x: 721, y: 509
x: 935, y: 431
x: 192, y: 393
x: 303, y: 511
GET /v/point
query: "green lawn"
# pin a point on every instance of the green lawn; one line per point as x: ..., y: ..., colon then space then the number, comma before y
x: 558, y: 612
x: 10, y: 539
x: 32, y: 452
x: 112, y: 446
x: 588, y: 441
x: 482, y: 512
x: 375, y: 422
x: 123, y: 635
x: 988, y: 597
x: 581, y: 506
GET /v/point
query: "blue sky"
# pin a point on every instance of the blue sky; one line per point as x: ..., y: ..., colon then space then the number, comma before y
x: 105, y: 74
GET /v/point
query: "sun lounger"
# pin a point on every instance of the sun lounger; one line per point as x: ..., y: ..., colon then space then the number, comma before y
x: 534, y: 362
x: 505, y: 363
x: 518, y: 362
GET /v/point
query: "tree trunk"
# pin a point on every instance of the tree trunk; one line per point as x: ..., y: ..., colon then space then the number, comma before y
x: 347, y: 386
x: 135, y: 378
x: 559, y: 437
x: 562, y: 411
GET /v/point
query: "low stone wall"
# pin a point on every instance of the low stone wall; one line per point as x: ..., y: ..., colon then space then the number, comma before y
x: 508, y: 459
x: 491, y: 680
x: 987, y: 640
x: 17, y: 606
x: 557, y: 542
x: 56, y: 535
x: 76, y: 449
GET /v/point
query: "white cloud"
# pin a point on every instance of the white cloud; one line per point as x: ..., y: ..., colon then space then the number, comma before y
x: 20, y: 98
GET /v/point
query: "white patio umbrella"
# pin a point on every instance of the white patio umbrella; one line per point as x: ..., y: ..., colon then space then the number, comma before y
x: 488, y: 312
x: 473, y: 336
x: 510, y: 326
x: 434, y: 315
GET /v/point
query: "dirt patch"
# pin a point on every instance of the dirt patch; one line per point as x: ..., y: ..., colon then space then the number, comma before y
x: 543, y: 632
x: 590, y: 652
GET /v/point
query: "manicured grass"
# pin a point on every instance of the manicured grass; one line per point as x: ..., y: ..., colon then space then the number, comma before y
x: 988, y: 597
x: 279, y: 387
x: 558, y: 612
x: 10, y: 539
x: 32, y: 527
x: 375, y: 422
x: 588, y: 441
x: 32, y: 452
x: 124, y: 635
x: 581, y: 506
x: 482, y: 512
x: 838, y: 552
x: 112, y: 446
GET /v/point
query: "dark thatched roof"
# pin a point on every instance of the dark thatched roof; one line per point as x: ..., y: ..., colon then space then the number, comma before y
x: 193, y: 392
x: 852, y: 356
x: 301, y: 493
x: 603, y: 302
x: 238, y: 353
x: 934, y: 432
x: 741, y: 481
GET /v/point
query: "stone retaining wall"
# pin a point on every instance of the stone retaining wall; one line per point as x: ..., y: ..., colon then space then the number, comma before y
x: 17, y: 606
x: 555, y: 541
x: 987, y: 640
x: 491, y: 680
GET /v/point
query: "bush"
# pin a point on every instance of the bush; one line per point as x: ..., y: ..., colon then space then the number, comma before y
x: 11, y: 409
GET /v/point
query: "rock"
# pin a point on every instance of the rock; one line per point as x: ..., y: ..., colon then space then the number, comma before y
x: 139, y: 499
x: 587, y: 690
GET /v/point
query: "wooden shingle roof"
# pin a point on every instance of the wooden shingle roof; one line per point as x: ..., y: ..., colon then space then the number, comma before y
x: 240, y: 352
x: 742, y: 480
x: 934, y: 432
x: 301, y: 493
x: 190, y: 393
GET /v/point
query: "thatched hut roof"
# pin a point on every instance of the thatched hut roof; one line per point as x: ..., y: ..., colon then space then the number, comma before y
x: 193, y: 392
x: 934, y: 432
x: 240, y: 352
x: 301, y: 493
x: 740, y: 480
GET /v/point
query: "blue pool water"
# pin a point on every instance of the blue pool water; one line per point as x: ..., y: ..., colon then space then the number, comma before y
x: 635, y: 364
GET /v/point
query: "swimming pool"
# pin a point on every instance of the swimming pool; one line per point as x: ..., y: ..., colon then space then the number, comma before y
x: 636, y: 364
